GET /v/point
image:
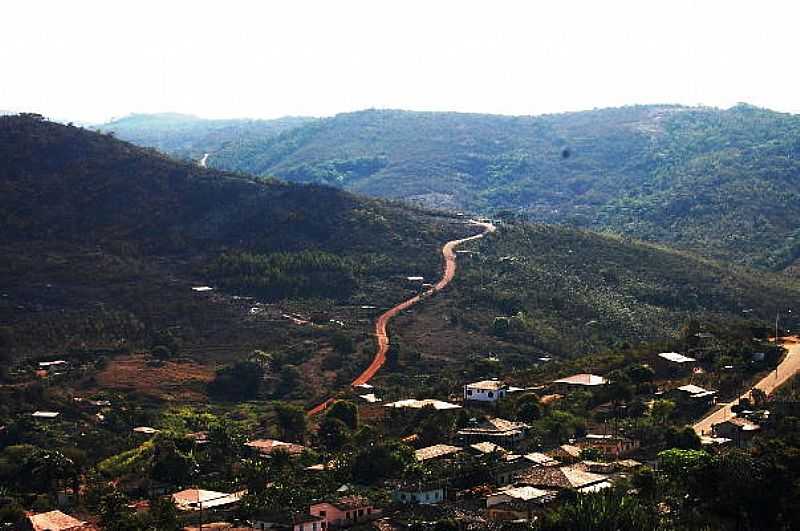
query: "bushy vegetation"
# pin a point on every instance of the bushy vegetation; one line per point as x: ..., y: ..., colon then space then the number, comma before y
x: 720, y: 182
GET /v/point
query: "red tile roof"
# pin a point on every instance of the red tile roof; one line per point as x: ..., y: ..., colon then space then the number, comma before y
x: 56, y: 521
x: 268, y: 446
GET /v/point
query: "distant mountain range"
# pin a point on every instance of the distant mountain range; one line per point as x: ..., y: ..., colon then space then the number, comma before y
x: 723, y: 183
x: 101, y: 240
x: 189, y: 137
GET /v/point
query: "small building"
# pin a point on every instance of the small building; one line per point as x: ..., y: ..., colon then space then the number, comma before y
x: 370, y: 398
x: 266, y: 447
x: 540, y: 459
x: 566, y: 453
x: 517, y: 503
x: 628, y: 465
x: 412, y: 403
x: 419, y: 493
x: 485, y: 391
x: 673, y: 364
x: 693, y: 396
x: 218, y: 526
x: 344, y: 511
x: 574, y: 477
x: 53, y: 367
x: 288, y: 522
x: 199, y: 499
x: 612, y: 445
x: 739, y: 430
x: 45, y: 415
x: 56, y: 521
x: 577, y: 381
x: 500, y: 431
x: 436, y: 451
x: 485, y: 448
x: 145, y: 430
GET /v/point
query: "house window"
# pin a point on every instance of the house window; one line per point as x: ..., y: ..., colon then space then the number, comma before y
x: 322, y: 514
x: 491, y: 394
x: 469, y: 392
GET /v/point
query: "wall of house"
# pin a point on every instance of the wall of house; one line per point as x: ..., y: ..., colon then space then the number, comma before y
x: 427, y: 497
x: 483, y: 395
x: 334, y: 515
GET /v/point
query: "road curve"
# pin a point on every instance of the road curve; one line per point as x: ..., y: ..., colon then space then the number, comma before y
x: 448, y: 252
x: 787, y: 368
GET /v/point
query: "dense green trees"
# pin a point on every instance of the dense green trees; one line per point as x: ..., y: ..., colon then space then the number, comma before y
x: 688, y: 176
x: 292, y: 422
x: 345, y: 411
x: 285, y: 275
x: 240, y: 381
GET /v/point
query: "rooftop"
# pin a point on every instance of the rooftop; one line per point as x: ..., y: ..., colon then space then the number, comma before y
x: 524, y: 493
x: 347, y: 503
x: 437, y: 450
x: 565, y: 477
x: 488, y: 448
x: 695, y: 390
x: 370, y: 397
x: 582, y: 379
x: 197, y: 499
x: 55, y: 521
x: 488, y: 385
x: 419, y: 404
x: 675, y: 357
x: 45, y: 414
x: 495, y: 426
x: 268, y: 446
x: 52, y: 363
x: 541, y: 459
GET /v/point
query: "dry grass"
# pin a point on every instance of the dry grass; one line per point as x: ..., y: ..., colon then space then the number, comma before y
x: 173, y: 381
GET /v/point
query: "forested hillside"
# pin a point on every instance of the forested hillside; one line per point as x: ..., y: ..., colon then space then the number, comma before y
x: 723, y: 183
x: 101, y: 241
x: 190, y: 137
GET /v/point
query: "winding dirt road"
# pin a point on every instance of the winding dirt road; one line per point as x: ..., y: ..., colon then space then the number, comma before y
x: 448, y: 252
x: 787, y: 368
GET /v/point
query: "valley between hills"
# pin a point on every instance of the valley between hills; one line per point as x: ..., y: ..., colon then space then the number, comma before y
x: 170, y: 318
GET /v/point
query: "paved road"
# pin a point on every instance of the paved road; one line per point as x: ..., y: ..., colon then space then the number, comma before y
x: 448, y: 252
x: 787, y: 368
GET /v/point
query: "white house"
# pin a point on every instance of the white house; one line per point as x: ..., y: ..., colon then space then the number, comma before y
x: 418, y: 494
x: 485, y: 391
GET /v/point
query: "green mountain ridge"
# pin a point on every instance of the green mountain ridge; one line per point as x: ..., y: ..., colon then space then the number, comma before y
x: 189, y: 137
x: 722, y: 183
x: 98, y: 229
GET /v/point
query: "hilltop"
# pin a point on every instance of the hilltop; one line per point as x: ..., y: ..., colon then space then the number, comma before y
x: 722, y: 183
x: 188, y: 137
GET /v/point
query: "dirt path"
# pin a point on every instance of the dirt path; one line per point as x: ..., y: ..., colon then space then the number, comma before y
x: 787, y: 368
x: 448, y: 252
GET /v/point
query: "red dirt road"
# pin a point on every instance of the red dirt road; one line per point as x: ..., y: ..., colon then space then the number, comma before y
x: 448, y: 252
x: 787, y: 368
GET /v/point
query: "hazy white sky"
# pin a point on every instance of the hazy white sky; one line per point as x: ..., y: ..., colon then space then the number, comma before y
x: 91, y: 60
